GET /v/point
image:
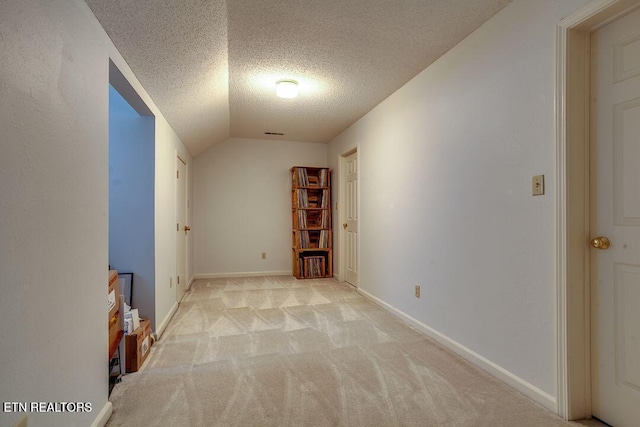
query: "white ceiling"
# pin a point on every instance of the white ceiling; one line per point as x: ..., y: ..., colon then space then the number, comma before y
x: 211, y: 65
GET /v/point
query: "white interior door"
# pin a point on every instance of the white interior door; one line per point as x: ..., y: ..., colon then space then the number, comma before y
x: 615, y: 214
x: 350, y: 225
x: 181, y: 228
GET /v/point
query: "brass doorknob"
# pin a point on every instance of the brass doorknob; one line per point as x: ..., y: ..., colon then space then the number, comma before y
x: 187, y: 228
x: 344, y: 225
x: 600, y: 242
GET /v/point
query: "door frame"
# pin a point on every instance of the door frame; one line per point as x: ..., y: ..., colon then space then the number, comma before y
x: 342, y: 213
x: 573, y: 371
x: 180, y: 158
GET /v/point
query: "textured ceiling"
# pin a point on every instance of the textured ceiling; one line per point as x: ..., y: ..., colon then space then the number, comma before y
x: 211, y: 65
x: 178, y: 51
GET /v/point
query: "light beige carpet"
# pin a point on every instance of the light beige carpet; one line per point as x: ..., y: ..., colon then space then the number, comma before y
x: 276, y: 351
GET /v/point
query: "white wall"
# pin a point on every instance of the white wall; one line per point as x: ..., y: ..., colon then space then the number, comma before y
x: 168, y: 146
x: 54, y: 79
x: 242, y: 204
x: 131, y: 197
x: 54, y: 208
x: 445, y: 170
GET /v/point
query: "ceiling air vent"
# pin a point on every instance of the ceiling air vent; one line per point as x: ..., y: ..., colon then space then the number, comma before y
x: 274, y: 133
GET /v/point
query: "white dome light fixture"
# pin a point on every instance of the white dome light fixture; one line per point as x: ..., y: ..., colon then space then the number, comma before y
x: 287, y: 88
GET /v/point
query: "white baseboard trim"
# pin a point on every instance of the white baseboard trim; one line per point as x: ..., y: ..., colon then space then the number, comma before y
x: 193, y: 279
x: 165, y: 322
x: 247, y: 274
x: 103, y: 416
x: 524, y: 387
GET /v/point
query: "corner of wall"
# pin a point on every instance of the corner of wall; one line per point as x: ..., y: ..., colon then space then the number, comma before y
x: 104, y: 415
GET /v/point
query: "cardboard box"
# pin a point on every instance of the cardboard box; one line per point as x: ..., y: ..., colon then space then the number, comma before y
x: 113, y: 299
x: 113, y: 306
x: 138, y: 346
x: 114, y: 328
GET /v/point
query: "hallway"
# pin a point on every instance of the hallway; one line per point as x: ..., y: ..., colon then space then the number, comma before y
x: 275, y: 351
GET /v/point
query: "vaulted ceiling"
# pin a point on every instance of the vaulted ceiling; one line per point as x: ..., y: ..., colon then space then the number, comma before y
x: 211, y: 65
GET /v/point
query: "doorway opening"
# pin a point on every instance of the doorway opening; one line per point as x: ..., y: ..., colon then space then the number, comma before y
x: 349, y: 217
x: 132, y: 190
x: 182, y: 228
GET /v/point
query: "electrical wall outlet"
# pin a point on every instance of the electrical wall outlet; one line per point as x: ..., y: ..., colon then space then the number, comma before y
x: 417, y: 291
x: 264, y: 255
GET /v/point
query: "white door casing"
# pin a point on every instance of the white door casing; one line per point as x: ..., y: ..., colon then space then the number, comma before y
x: 615, y: 214
x: 572, y: 192
x: 181, y: 228
x: 350, y: 226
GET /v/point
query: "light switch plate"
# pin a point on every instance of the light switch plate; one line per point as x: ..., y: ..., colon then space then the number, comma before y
x: 537, y: 185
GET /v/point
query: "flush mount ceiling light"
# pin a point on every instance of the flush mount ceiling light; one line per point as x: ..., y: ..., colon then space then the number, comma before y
x: 287, y: 88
